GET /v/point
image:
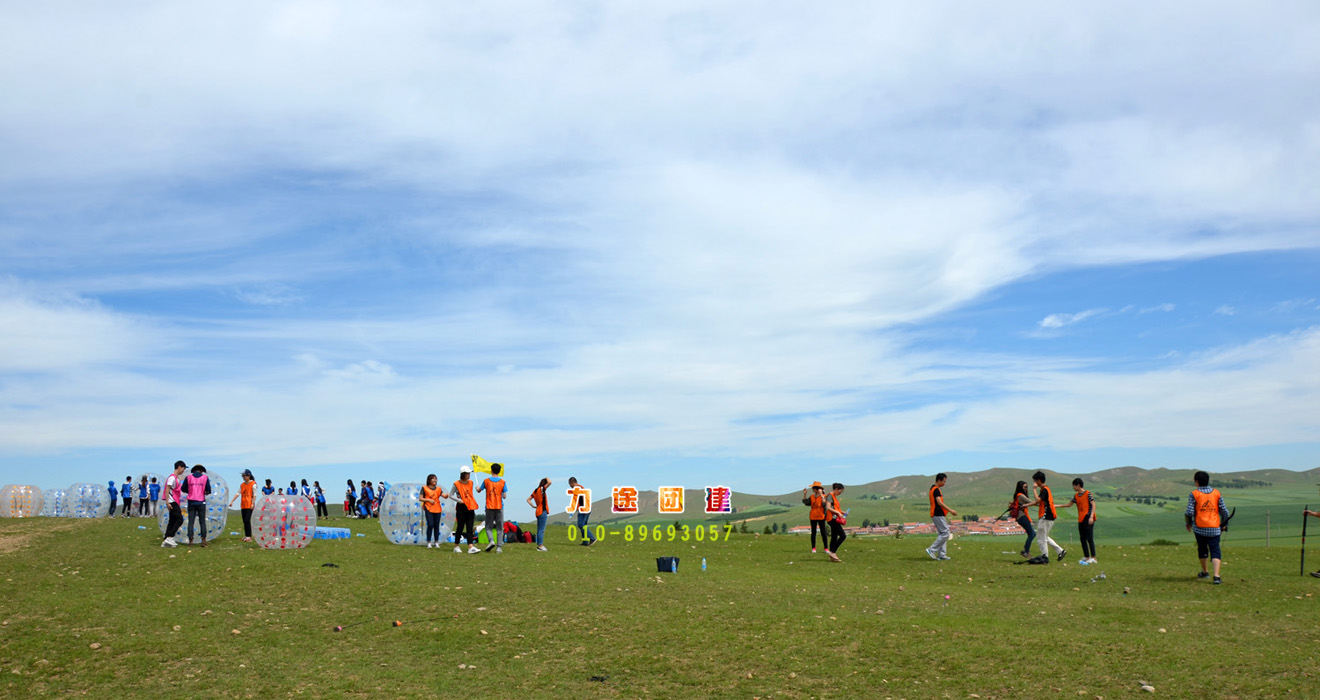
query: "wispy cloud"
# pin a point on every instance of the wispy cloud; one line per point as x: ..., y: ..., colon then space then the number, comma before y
x: 1056, y: 321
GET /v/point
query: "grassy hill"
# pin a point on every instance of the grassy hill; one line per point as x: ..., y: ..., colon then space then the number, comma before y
x: 1136, y: 505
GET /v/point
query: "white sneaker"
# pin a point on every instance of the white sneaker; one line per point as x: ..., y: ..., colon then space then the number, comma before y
x: 458, y: 550
x: 931, y: 554
x: 473, y: 550
x: 499, y: 550
x: 167, y: 542
x: 542, y: 549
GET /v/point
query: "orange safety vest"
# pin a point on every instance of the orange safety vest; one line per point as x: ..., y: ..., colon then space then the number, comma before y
x: 538, y: 497
x: 245, y: 492
x: 1207, y: 508
x: 464, y: 491
x: 494, y: 494
x: 1046, y: 504
x: 829, y: 514
x: 434, y: 505
x: 1083, y: 501
x: 933, y: 505
x: 817, y: 507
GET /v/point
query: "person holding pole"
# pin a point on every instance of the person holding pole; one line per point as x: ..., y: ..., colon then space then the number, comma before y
x: 1207, y: 518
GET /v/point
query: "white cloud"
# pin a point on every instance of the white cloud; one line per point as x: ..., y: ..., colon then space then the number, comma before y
x: 1226, y: 310
x: 1056, y: 321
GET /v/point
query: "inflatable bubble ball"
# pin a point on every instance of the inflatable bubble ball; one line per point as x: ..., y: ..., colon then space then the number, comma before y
x: 283, y: 522
x: 217, y: 511
x: 402, y: 517
x: 88, y: 501
x: 20, y: 501
x: 55, y: 503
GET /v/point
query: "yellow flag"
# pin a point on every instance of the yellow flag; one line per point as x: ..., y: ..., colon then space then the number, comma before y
x: 481, y: 465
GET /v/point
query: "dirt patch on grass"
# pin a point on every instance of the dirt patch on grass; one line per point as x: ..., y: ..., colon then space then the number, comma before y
x: 21, y: 535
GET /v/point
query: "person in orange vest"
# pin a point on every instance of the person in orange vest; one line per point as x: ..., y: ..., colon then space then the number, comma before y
x: 538, y: 501
x: 1207, y: 518
x: 837, y: 517
x: 495, y: 489
x: 246, y: 493
x: 1085, y: 502
x: 939, y: 517
x: 1017, y: 510
x: 432, y: 498
x: 1045, y: 517
x: 816, y: 501
x: 465, y: 515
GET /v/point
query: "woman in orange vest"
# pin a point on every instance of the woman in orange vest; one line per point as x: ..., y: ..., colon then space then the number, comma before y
x: 1017, y: 510
x: 465, y: 515
x: 816, y: 501
x: 538, y: 501
x: 1085, y: 502
x: 434, y: 509
x: 1207, y: 517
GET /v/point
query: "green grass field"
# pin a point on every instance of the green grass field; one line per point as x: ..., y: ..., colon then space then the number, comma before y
x: 97, y: 608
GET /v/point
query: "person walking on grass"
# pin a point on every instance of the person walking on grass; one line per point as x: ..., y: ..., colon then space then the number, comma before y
x: 1207, y: 518
x: 465, y: 513
x: 1017, y: 510
x: 173, y: 499
x: 495, y: 489
x: 816, y: 502
x: 1085, y: 502
x: 837, y: 517
x: 246, y: 491
x: 350, y: 500
x: 154, y: 490
x: 126, y: 494
x: 538, y: 501
x: 432, y: 498
x: 196, y: 487
x: 114, y: 498
x: 583, y: 514
x: 939, y: 517
x: 1046, y: 514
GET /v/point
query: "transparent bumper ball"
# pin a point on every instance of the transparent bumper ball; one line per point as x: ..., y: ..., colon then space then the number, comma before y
x: 88, y: 501
x: 55, y: 503
x: 284, y: 522
x: 20, y: 501
x: 402, y: 517
x: 217, y: 511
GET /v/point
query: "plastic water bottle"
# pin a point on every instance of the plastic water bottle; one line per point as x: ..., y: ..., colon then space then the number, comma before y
x: 703, y: 563
x: 673, y: 566
x: 142, y: 527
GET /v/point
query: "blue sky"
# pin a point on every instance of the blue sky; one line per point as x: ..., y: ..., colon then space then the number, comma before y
x: 749, y: 245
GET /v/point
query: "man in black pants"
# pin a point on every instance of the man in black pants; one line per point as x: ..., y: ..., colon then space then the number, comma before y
x: 173, y: 490
x: 834, y: 511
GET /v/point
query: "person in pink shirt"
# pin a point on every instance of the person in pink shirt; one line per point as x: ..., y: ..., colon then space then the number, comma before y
x: 196, y: 487
x: 173, y: 498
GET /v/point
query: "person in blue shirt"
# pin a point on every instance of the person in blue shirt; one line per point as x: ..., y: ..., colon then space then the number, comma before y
x: 267, y: 489
x: 364, y: 501
x: 155, y: 495
x: 350, y: 500
x: 322, y: 511
x: 126, y: 494
x: 143, y: 497
x: 114, y: 498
